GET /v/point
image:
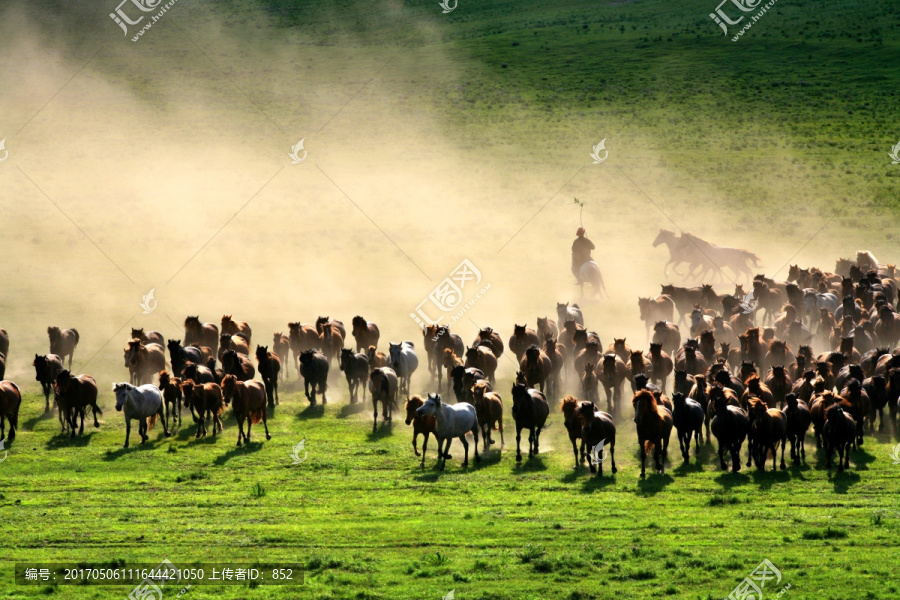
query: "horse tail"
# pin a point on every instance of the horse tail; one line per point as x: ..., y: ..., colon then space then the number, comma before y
x: 256, y: 415
x: 151, y: 421
x: 648, y: 446
x: 75, y: 333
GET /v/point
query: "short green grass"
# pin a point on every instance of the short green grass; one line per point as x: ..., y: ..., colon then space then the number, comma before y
x: 365, y: 521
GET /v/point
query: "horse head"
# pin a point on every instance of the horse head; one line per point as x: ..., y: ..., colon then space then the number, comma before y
x: 124, y: 392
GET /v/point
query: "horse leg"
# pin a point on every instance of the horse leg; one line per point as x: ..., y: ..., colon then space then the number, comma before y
x: 643, y: 457
x: 249, y: 425
x: 783, y: 466
x: 127, y: 431
x: 575, y: 452
x: 240, y: 424
x: 465, y: 444
x: 475, y: 442
x: 83, y: 409
x: 443, y: 463
x: 722, y: 464
x: 518, y: 442
x: 375, y: 416
x: 165, y: 423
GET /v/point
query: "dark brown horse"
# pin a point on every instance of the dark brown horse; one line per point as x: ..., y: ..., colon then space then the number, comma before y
x: 668, y: 335
x: 331, y: 339
x: 839, y: 434
x: 239, y: 365
x: 206, y: 399
x: 545, y: 326
x: 654, y: 310
x: 444, y: 340
x: 482, y: 357
x: 489, y: 410
x: 383, y: 386
x: 730, y: 425
x: 355, y: 366
x: 768, y: 430
x: 248, y: 401
x: 10, y: 400
x: 237, y: 343
x: 269, y: 368
x: 537, y: 366
x: 365, y: 333
x: 654, y: 426
x: 798, y: 420
x: 557, y: 354
x: 573, y: 422
x: 62, y: 342
x: 661, y: 366
x: 201, y: 334
x: 46, y: 368
x: 75, y: 395
x: 314, y: 370
x: 530, y: 410
x: 612, y: 374
x: 491, y: 339
x: 598, y: 431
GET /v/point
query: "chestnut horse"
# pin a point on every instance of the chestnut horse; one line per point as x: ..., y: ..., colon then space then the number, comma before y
x: 355, y: 366
x: 654, y: 426
x: 573, y: 421
x: 489, y: 410
x: 768, y: 430
x: 62, y: 342
x: 201, y: 334
x: 303, y: 337
x: 523, y: 336
x: 422, y: 424
x: 483, y: 358
x: 232, y: 327
x: 239, y: 365
x: 171, y: 391
x: 144, y: 361
x: 75, y: 395
x: 491, y: 339
x: 151, y: 337
x: 281, y: 345
x: 237, y: 343
x: 537, y: 366
x: 46, y: 368
x: 206, y: 399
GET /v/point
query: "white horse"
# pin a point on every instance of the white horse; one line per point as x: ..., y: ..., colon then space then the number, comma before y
x: 452, y: 421
x: 405, y: 362
x: 140, y: 403
x: 814, y: 300
x: 590, y: 273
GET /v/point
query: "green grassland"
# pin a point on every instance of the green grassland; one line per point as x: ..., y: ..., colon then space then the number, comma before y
x: 366, y: 522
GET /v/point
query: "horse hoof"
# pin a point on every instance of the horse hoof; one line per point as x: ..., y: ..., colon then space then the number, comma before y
x: 124, y: 445
x: 268, y: 437
x: 477, y: 459
x: 518, y: 458
x: 614, y: 470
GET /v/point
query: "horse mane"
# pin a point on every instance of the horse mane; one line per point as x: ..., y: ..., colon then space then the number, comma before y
x: 647, y: 394
x: 568, y: 404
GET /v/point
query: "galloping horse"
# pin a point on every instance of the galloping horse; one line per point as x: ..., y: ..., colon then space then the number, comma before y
x: 63, y: 342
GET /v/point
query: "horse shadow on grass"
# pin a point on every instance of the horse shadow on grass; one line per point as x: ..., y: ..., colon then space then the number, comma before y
x: 62, y: 440
x: 728, y: 479
x: 766, y: 479
x: 385, y: 429
x: 843, y: 480
x: 593, y: 483
x: 349, y: 410
x: 44, y: 416
x: 654, y: 483
x: 313, y: 411
x: 529, y: 465
x: 149, y: 445
x: 247, y: 448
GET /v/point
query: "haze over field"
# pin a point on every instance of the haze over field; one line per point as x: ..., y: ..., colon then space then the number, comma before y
x: 170, y: 156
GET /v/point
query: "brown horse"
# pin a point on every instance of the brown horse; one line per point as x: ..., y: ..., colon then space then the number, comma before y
x: 239, y: 365
x: 430, y: 337
x: 269, y: 368
x: 144, y: 361
x: 779, y: 383
x: 661, y: 366
x: 281, y: 345
x: 654, y: 310
x: 730, y: 425
x: 383, y: 386
x: 171, y: 392
x: 365, y: 333
x: 491, y: 339
x: 537, y: 366
x: 331, y: 340
x: 654, y: 426
x: 376, y: 358
x: 10, y: 400
x: 355, y: 366
x: 798, y: 420
x: 444, y: 339
x: 530, y: 410
x: 75, y: 395
x: 557, y: 354
x: 839, y: 433
x: 237, y: 343
x: 489, y: 410
x: 206, y: 399
x: 232, y: 327
x: 590, y: 385
x: 589, y: 354
x: 573, y: 422
x: 768, y: 430
x: 314, y: 370
x: 422, y: 424
x: 482, y: 358
x: 619, y: 348
x: 667, y: 334
x: 46, y: 369
x: 248, y: 401
x: 303, y: 337
x: 545, y: 326
x: 598, y: 430
x: 62, y: 342
x: 523, y: 336
x: 201, y: 334
x: 336, y: 325
x: 151, y: 337
x: 612, y: 375
x: 636, y: 365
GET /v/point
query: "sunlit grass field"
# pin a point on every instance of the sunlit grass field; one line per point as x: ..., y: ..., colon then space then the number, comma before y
x: 365, y: 521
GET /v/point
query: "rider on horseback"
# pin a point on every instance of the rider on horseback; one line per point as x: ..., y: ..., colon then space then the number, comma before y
x: 581, y: 253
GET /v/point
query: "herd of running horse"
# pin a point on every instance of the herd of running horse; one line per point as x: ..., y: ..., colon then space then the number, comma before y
x: 741, y: 366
